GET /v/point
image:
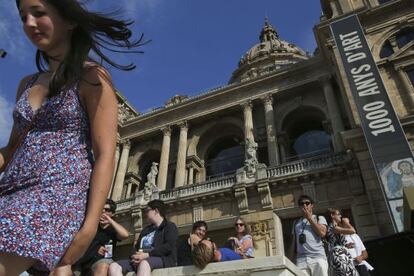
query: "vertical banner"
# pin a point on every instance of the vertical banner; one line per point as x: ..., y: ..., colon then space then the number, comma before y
x: 388, y: 146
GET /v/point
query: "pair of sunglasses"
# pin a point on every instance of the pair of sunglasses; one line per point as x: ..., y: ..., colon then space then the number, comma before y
x: 239, y: 224
x: 305, y: 203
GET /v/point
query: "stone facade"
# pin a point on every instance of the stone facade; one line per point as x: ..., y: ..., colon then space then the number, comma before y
x: 285, y: 125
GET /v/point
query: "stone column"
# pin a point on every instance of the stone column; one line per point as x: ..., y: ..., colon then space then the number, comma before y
x: 334, y: 112
x: 272, y: 147
x: 181, y: 156
x: 165, y: 157
x: 122, y: 168
x: 248, y: 120
x: 129, y: 188
x: 117, y: 153
x: 407, y: 94
x: 190, y: 175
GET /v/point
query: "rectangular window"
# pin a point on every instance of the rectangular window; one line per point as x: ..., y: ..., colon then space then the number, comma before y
x: 410, y: 74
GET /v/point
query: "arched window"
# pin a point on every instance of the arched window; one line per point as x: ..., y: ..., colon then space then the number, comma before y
x: 402, y: 38
x: 386, y: 50
x: 306, y: 134
x: 224, y: 157
x: 312, y: 142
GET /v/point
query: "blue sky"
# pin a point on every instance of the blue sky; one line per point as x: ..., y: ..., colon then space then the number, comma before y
x: 195, y: 46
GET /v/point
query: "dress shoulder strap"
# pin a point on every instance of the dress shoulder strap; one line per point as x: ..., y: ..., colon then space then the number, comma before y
x: 32, y: 80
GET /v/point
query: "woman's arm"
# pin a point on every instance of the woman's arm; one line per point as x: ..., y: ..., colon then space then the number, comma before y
x: 14, y: 136
x: 194, y: 239
x: 101, y: 105
x: 246, y: 244
x: 362, y: 257
x: 344, y: 228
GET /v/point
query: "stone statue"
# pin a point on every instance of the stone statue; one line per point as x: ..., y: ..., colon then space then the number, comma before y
x: 252, y: 168
x: 150, y: 186
x: 250, y: 161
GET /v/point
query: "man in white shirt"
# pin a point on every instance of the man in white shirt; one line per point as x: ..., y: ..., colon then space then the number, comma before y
x: 358, y: 251
x: 308, y: 232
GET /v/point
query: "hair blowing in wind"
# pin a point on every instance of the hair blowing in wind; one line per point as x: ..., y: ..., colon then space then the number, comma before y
x: 94, y: 33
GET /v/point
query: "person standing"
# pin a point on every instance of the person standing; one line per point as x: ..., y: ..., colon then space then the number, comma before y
x: 358, y: 251
x: 340, y: 260
x: 308, y: 232
x: 59, y: 160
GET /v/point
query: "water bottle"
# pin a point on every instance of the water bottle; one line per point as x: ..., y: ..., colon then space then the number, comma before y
x: 109, y: 250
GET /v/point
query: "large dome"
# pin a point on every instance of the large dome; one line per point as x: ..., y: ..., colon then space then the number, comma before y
x: 269, y: 55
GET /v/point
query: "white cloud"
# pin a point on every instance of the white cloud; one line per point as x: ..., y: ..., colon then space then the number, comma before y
x: 6, y: 119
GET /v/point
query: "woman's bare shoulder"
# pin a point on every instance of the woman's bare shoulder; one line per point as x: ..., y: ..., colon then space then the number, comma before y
x: 22, y: 84
x: 96, y: 75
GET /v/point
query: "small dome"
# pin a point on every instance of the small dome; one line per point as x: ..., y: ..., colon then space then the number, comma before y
x: 270, y: 54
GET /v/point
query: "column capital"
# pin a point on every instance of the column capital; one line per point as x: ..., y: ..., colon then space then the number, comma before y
x: 126, y: 143
x: 183, y: 125
x: 267, y: 99
x: 399, y: 68
x: 247, y: 105
x: 166, y: 130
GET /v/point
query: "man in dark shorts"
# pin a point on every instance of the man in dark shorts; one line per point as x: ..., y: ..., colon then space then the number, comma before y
x: 156, y: 245
x: 98, y: 257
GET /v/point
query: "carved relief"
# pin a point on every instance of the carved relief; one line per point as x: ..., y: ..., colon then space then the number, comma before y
x: 241, y: 196
x: 177, y: 99
x: 265, y: 196
x: 124, y: 113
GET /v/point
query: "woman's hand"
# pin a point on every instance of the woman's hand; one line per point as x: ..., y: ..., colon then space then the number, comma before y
x: 138, y: 257
x: 79, y: 244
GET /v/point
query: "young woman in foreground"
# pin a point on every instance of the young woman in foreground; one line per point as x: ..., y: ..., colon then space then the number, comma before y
x: 53, y: 189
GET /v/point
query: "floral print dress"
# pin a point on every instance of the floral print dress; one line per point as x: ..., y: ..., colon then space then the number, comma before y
x: 44, y: 189
x: 340, y: 260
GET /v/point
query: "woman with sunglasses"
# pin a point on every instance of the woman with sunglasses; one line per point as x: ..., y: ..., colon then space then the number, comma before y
x: 340, y: 259
x: 243, y: 241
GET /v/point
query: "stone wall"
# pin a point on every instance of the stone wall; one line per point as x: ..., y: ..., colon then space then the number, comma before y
x: 265, y: 266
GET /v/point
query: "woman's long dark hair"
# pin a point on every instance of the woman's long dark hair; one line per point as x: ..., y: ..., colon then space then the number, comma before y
x: 93, y: 31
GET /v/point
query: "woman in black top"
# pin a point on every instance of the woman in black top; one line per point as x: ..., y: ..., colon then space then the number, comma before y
x: 184, y: 248
x: 156, y: 245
